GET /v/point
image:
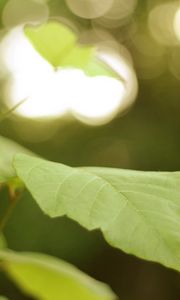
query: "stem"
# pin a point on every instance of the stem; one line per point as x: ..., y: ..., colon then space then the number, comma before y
x: 1, y: 186
x: 14, y: 197
x: 8, y: 113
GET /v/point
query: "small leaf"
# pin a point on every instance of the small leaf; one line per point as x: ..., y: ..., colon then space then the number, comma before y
x: 96, y: 67
x: 59, y: 45
x: 50, y: 278
x: 138, y: 212
x: 8, y: 149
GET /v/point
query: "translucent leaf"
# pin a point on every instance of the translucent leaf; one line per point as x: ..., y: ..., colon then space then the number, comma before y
x: 49, y: 278
x: 95, y: 67
x: 138, y: 212
x: 8, y: 149
x: 59, y: 45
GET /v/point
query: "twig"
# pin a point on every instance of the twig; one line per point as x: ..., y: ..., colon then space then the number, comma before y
x: 14, y: 197
x: 8, y: 113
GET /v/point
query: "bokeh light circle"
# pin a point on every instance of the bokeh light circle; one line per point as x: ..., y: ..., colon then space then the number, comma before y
x: 51, y: 93
x: 18, y: 12
x: 89, y: 9
x: 161, y: 23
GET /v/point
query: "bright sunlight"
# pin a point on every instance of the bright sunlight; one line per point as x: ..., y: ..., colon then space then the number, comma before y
x: 55, y: 93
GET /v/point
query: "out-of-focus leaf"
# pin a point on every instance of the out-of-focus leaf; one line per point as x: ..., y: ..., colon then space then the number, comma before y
x: 95, y: 67
x: 49, y: 278
x: 8, y: 149
x: 3, y: 298
x: 58, y: 44
x: 138, y: 212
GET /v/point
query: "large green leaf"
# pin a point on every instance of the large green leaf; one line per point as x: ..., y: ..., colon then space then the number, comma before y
x: 59, y: 45
x: 138, y: 212
x: 49, y: 278
x: 8, y: 149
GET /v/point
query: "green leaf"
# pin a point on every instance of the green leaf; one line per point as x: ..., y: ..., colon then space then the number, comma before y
x: 3, y: 298
x: 138, y: 212
x: 59, y: 45
x: 49, y: 278
x: 8, y: 149
x: 96, y: 67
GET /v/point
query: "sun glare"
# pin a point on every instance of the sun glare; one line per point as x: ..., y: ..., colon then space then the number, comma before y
x: 177, y: 23
x: 53, y: 93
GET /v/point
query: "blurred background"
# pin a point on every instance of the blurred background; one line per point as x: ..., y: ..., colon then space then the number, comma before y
x: 136, y: 128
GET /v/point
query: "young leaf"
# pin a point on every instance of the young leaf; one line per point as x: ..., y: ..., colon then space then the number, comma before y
x: 8, y: 149
x: 58, y: 44
x: 138, y: 212
x: 49, y: 278
x: 8, y: 113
